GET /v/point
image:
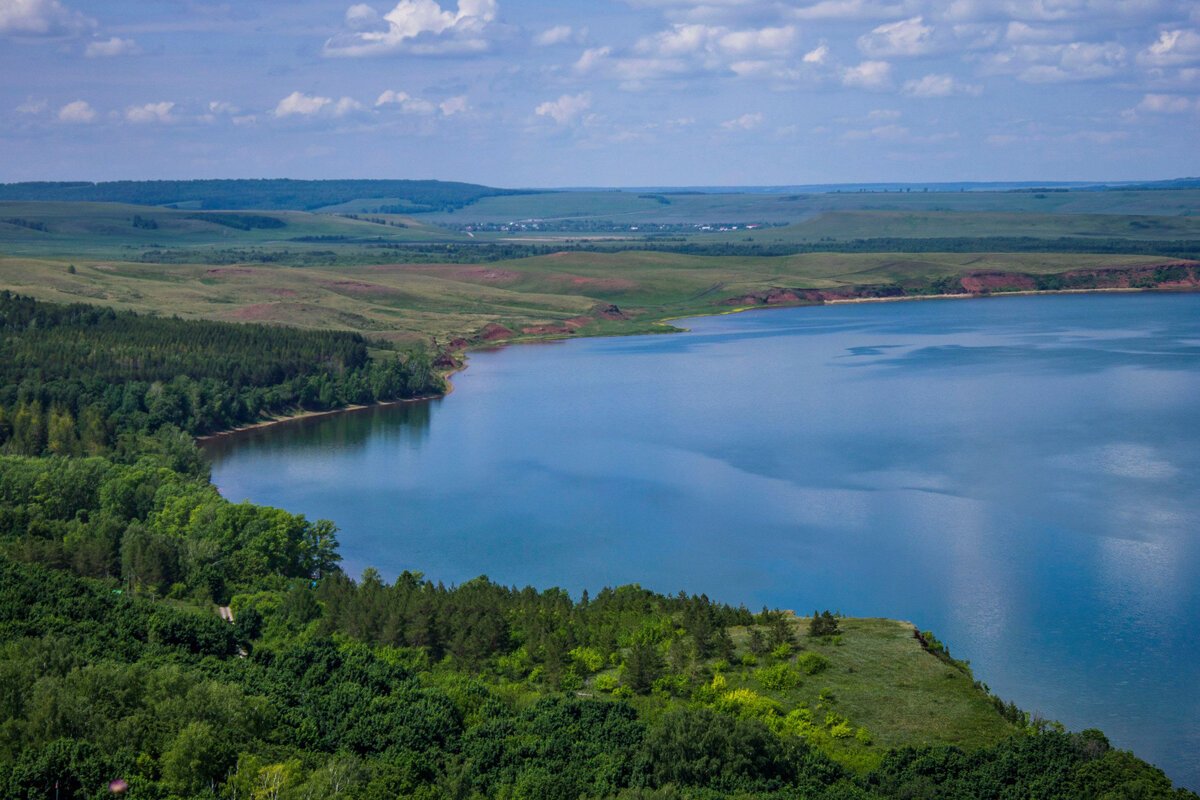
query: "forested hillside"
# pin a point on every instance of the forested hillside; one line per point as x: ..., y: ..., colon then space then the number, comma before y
x: 118, y: 677
x: 73, y: 379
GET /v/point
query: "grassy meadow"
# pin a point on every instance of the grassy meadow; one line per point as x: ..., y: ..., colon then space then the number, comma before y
x: 416, y: 302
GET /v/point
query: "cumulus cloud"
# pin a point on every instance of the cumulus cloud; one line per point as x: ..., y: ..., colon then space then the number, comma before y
x: 693, y: 39
x: 1168, y: 104
x: 151, y: 112
x: 415, y: 26
x: 852, y: 9
x: 693, y: 49
x: 454, y: 105
x: 559, y: 34
x: 1173, y: 48
x: 110, y: 48
x: 939, y: 86
x: 41, y: 18
x: 79, y: 111
x: 298, y: 104
x: 1076, y: 61
x: 407, y: 103
x: 566, y: 109
x: 909, y: 37
x: 873, y: 75
x: 592, y: 58
x: 818, y: 55
x: 746, y: 122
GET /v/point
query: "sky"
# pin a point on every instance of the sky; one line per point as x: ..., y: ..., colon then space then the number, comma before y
x: 533, y: 93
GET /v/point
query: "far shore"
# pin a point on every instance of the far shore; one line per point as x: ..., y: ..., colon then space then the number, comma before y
x: 286, y: 418
x: 667, y: 328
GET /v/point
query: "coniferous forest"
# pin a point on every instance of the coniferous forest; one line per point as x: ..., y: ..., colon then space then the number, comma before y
x: 119, y: 677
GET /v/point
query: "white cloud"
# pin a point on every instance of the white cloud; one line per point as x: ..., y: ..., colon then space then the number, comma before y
x: 223, y: 108
x: 559, y: 34
x: 300, y: 104
x: 874, y: 75
x: 692, y: 49
x: 1023, y: 33
x: 565, y: 109
x: 746, y: 122
x: 408, y: 104
x: 1077, y: 61
x: 454, y: 105
x: 111, y: 47
x: 78, y: 111
x: 592, y: 58
x: 853, y: 9
x: 939, y: 86
x: 415, y: 26
x: 347, y: 105
x: 1064, y: 10
x: 818, y: 55
x: 151, y: 112
x: 41, y: 18
x: 1173, y: 48
x: 692, y: 39
x: 1168, y: 104
x: 909, y: 37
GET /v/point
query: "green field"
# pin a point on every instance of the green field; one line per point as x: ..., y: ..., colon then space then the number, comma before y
x: 443, y: 301
x: 108, y: 230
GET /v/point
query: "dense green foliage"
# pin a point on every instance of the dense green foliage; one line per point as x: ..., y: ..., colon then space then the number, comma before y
x: 257, y: 194
x: 100, y: 686
x: 114, y: 666
x: 73, y: 379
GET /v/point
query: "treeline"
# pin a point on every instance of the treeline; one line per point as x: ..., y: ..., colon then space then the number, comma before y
x: 273, y: 194
x: 156, y: 525
x: 74, y: 379
x: 358, y: 251
x: 1176, y: 248
x: 106, y: 689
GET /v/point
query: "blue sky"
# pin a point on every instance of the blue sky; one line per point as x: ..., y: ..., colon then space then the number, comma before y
x: 603, y: 92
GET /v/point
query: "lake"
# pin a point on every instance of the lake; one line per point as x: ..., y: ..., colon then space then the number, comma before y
x: 1020, y: 475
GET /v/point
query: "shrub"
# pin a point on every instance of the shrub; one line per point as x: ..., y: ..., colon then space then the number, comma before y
x: 778, y: 678
x: 812, y: 663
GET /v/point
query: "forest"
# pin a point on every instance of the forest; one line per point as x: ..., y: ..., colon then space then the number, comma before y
x: 119, y: 678
x: 75, y: 379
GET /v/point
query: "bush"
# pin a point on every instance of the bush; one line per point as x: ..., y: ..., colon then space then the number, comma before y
x: 813, y: 663
x: 778, y: 678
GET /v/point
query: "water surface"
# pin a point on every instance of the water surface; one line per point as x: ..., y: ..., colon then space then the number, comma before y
x: 1020, y: 475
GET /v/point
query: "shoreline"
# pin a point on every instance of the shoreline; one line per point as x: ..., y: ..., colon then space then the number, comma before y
x: 667, y: 328
x: 303, y: 415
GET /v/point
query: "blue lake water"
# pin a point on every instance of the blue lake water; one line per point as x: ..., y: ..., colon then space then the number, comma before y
x: 1020, y: 475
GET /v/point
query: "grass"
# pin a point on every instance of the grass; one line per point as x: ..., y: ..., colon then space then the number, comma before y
x: 107, y: 230
x: 877, y: 677
x: 416, y: 302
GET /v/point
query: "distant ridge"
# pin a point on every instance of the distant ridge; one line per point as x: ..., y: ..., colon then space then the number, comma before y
x: 279, y: 194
